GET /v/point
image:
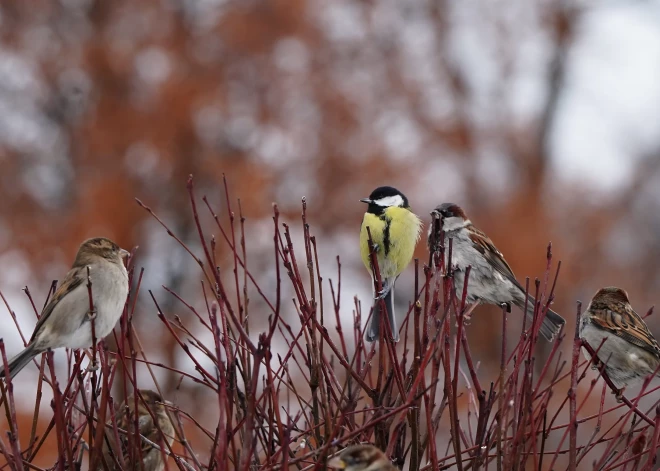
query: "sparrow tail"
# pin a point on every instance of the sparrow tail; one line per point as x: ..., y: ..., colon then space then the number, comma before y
x: 551, y: 324
x: 374, y: 328
x: 20, y: 361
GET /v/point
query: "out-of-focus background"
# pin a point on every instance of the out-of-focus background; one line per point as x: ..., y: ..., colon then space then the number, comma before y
x: 539, y: 117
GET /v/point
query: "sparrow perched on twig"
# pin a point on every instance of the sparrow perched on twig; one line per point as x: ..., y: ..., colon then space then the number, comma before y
x: 152, y: 458
x: 362, y: 458
x: 65, y: 321
x: 491, y: 279
x: 394, y: 231
x: 629, y: 350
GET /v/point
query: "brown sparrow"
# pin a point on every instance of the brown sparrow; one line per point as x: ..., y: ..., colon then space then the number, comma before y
x: 152, y: 458
x: 491, y: 279
x: 362, y: 458
x: 629, y: 351
x: 65, y: 321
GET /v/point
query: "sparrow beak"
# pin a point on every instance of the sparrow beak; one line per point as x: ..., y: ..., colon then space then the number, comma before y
x: 337, y: 462
x: 124, y: 254
x: 366, y: 200
x: 435, y: 214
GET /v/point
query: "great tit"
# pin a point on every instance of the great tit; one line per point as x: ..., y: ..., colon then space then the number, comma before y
x: 395, y: 230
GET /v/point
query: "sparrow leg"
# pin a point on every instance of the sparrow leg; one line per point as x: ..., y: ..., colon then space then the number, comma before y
x: 467, y: 315
x: 619, y: 395
x: 507, y: 306
x: 91, y: 315
x: 91, y: 366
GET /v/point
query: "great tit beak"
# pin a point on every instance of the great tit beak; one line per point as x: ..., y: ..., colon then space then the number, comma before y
x: 337, y: 462
x: 366, y: 200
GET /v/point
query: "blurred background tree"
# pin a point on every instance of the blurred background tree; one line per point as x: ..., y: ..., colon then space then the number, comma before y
x: 539, y: 118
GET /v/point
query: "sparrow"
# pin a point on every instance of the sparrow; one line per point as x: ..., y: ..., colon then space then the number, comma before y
x: 66, y: 319
x: 491, y: 279
x: 362, y: 458
x: 117, y: 457
x: 629, y: 350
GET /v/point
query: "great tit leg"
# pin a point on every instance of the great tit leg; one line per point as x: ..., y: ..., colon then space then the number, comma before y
x: 382, y: 293
x: 387, y: 287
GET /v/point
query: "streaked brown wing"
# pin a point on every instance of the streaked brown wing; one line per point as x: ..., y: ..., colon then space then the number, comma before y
x: 485, y: 247
x: 111, y: 451
x: 71, y: 281
x: 147, y: 429
x: 627, y: 325
x: 125, y: 421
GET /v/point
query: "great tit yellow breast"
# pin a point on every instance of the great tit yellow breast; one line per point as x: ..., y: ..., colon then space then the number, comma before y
x: 376, y: 226
x: 395, y: 232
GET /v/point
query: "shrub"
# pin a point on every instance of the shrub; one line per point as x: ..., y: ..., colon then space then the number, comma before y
x: 424, y: 401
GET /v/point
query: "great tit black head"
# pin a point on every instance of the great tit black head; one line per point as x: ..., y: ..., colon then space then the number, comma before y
x: 385, y: 197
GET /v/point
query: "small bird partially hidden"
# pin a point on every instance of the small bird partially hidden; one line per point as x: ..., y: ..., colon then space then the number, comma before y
x: 362, y: 458
x: 629, y: 350
x: 491, y: 279
x: 65, y: 321
x: 118, y: 457
x: 394, y: 231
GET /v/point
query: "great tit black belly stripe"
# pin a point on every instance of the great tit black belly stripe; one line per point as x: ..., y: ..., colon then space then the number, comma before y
x: 386, y: 234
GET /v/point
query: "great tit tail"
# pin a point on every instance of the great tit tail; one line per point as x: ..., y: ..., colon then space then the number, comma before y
x: 373, y: 332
